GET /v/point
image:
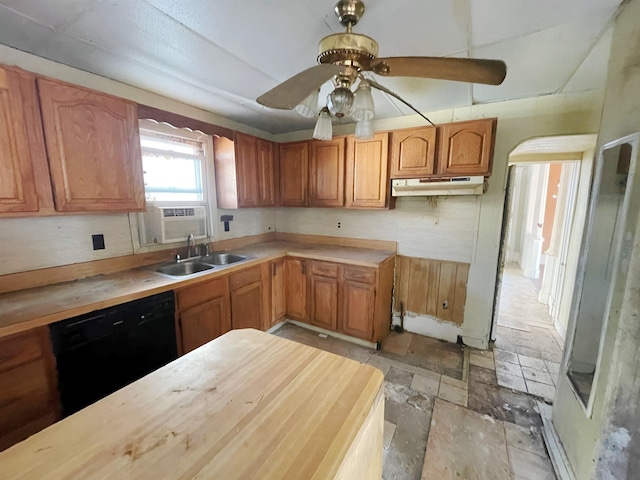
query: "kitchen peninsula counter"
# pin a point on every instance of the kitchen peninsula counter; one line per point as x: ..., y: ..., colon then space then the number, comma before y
x: 26, y: 309
x: 246, y: 405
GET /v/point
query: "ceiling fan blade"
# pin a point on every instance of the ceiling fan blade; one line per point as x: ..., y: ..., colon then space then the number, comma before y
x: 375, y: 84
x: 292, y: 91
x: 490, y: 72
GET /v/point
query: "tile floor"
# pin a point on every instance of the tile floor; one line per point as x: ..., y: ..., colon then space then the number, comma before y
x: 430, y: 386
x: 525, y: 329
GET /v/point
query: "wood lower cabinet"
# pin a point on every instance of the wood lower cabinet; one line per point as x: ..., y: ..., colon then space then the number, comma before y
x: 294, y: 174
x: 367, y: 173
x: 204, y: 313
x: 248, y: 308
x: 296, y: 288
x: 413, y: 152
x: 358, y: 308
x: 326, y: 173
x: 324, y: 294
x: 93, y: 146
x: 278, y: 292
x: 29, y: 399
x: 466, y: 148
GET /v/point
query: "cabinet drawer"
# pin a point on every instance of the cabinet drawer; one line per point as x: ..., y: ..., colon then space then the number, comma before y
x: 201, y: 293
x: 245, y: 277
x: 325, y: 269
x: 18, y: 349
x: 360, y: 274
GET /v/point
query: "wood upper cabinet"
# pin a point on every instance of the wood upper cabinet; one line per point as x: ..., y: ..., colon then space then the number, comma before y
x: 413, y: 152
x: 294, y: 174
x: 204, y: 313
x: 246, y: 150
x: 296, y: 288
x: 18, y: 192
x: 266, y: 174
x: 326, y: 173
x: 29, y: 399
x: 93, y: 146
x: 248, y: 309
x: 466, y: 148
x: 358, y: 309
x: 367, y: 175
x: 245, y: 176
x: 278, y: 292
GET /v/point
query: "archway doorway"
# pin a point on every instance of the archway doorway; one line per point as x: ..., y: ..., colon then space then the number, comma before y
x: 544, y: 215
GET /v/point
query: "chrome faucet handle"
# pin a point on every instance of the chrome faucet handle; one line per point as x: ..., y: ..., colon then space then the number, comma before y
x: 204, y: 249
x: 178, y: 258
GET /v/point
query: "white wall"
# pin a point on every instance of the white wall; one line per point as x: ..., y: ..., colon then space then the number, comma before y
x: 441, y: 228
x: 605, y: 446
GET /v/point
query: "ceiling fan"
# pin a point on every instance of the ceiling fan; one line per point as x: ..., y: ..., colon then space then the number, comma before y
x: 344, y: 57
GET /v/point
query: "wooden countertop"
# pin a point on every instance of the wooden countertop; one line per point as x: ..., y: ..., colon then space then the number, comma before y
x: 26, y: 309
x: 247, y: 405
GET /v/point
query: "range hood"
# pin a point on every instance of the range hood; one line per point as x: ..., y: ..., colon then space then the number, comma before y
x: 437, y: 186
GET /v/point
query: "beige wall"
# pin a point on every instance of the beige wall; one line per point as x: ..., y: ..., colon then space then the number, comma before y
x: 606, y: 446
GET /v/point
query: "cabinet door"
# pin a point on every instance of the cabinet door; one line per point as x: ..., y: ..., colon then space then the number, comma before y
x: 413, y: 152
x: 294, y: 174
x: 324, y: 302
x: 18, y: 191
x: 296, y: 288
x: 326, y: 173
x: 278, y: 294
x: 247, y: 306
x: 93, y: 144
x: 357, y: 310
x: 204, y: 322
x: 266, y: 174
x: 29, y: 398
x: 466, y: 148
x: 368, y: 172
x: 247, y: 170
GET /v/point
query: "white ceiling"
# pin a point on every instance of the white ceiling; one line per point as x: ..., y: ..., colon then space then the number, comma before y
x: 221, y: 56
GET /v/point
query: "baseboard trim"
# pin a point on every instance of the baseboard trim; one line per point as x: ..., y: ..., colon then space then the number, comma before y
x: 346, y: 338
x: 552, y: 441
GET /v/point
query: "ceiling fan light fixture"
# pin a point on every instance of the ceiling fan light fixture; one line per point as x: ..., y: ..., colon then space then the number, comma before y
x: 308, y: 108
x: 364, y: 130
x: 363, y: 107
x: 340, y: 101
x: 323, y: 129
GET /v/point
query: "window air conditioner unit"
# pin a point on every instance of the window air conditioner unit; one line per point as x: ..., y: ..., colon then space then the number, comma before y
x: 175, y: 224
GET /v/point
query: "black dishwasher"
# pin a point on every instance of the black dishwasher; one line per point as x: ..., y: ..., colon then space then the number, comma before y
x: 102, y: 351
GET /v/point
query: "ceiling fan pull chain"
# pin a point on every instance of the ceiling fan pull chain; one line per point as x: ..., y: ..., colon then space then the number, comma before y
x: 375, y: 84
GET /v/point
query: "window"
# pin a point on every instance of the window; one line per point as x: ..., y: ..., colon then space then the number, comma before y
x: 173, y: 164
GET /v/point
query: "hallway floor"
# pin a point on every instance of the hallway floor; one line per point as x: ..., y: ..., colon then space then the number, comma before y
x: 528, y: 350
x: 444, y: 399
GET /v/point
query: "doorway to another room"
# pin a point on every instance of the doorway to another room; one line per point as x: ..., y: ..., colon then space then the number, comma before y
x: 538, y: 260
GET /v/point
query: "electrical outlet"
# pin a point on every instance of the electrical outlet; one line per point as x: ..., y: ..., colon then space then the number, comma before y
x: 339, y: 224
x: 98, y: 241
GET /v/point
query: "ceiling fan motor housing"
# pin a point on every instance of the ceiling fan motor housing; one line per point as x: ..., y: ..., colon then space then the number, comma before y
x: 351, y: 49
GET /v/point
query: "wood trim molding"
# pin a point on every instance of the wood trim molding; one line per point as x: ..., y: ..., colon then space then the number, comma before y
x: 180, y: 121
x: 338, y: 241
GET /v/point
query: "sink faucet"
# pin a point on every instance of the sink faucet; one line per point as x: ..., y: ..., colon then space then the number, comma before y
x: 191, y: 245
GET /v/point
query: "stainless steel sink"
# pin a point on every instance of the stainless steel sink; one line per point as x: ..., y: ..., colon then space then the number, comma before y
x: 223, y: 258
x: 184, y: 268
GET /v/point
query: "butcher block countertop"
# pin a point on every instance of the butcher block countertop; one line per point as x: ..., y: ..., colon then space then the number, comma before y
x: 247, y: 405
x: 26, y: 309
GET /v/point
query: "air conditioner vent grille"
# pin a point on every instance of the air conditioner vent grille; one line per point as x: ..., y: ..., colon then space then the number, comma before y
x: 178, y: 212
